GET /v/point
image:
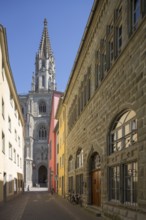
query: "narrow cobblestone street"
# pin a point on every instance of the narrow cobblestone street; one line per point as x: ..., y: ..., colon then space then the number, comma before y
x: 42, y: 206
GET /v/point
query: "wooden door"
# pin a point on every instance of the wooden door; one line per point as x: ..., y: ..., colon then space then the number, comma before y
x: 96, y: 187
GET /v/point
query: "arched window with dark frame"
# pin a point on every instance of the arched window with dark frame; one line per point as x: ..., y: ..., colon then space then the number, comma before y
x: 42, y: 133
x: 42, y: 107
x: 95, y: 162
x: 79, y: 158
x: 70, y: 163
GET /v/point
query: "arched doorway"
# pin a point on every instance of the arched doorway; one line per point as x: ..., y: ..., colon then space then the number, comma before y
x: 42, y: 176
x: 95, y: 174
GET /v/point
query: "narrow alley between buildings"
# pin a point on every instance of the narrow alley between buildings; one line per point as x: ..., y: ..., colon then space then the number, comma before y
x: 40, y: 205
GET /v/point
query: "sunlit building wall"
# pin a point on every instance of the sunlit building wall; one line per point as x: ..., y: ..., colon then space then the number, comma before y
x: 52, y: 172
x: 11, y: 128
x: 61, y: 149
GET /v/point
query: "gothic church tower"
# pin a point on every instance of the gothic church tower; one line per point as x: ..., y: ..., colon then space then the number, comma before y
x: 36, y: 108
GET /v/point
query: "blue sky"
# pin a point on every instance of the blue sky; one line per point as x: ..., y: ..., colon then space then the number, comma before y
x: 23, y: 20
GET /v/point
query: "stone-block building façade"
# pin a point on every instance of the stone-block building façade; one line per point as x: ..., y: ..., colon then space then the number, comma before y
x: 105, y: 103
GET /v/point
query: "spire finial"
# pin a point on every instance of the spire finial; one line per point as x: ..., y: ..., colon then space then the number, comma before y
x: 45, y: 22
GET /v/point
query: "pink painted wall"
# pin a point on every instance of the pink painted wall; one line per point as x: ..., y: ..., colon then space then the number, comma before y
x: 52, y: 141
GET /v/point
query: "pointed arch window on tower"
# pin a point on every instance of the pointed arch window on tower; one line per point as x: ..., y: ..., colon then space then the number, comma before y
x: 43, y: 63
x: 42, y: 107
x: 43, y: 81
x: 42, y: 133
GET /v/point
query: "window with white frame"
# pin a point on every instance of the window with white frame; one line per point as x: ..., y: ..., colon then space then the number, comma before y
x: 79, y: 158
x: 124, y: 132
x: 114, y: 177
x: 123, y: 181
x: 130, y: 178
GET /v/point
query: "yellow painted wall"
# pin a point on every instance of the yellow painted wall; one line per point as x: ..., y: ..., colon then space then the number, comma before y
x: 61, y: 155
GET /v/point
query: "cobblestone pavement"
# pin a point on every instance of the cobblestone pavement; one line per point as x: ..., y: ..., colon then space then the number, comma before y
x: 36, y: 205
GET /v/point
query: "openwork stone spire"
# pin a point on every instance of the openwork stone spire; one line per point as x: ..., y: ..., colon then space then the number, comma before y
x: 45, y: 46
x: 44, y: 78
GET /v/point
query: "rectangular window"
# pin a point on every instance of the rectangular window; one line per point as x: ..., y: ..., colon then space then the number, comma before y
x: 16, y: 112
x: 17, y: 160
x: 88, y: 88
x: 18, y: 141
x: 70, y: 184
x: 11, y: 99
x: 119, y: 38
x: 60, y: 162
x: 15, y: 135
x: 114, y: 176
x: 14, y: 156
x: 3, y: 142
x: 3, y: 72
x: 10, y: 151
x: 130, y: 177
x: 135, y: 13
x: 43, y: 81
x: 137, y: 10
x: 58, y: 148
x: 3, y: 108
x: 79, y: 183
x: 79, y: 109
x: 111, y: 51
x: 123, y: 181
x: 9, y: 124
